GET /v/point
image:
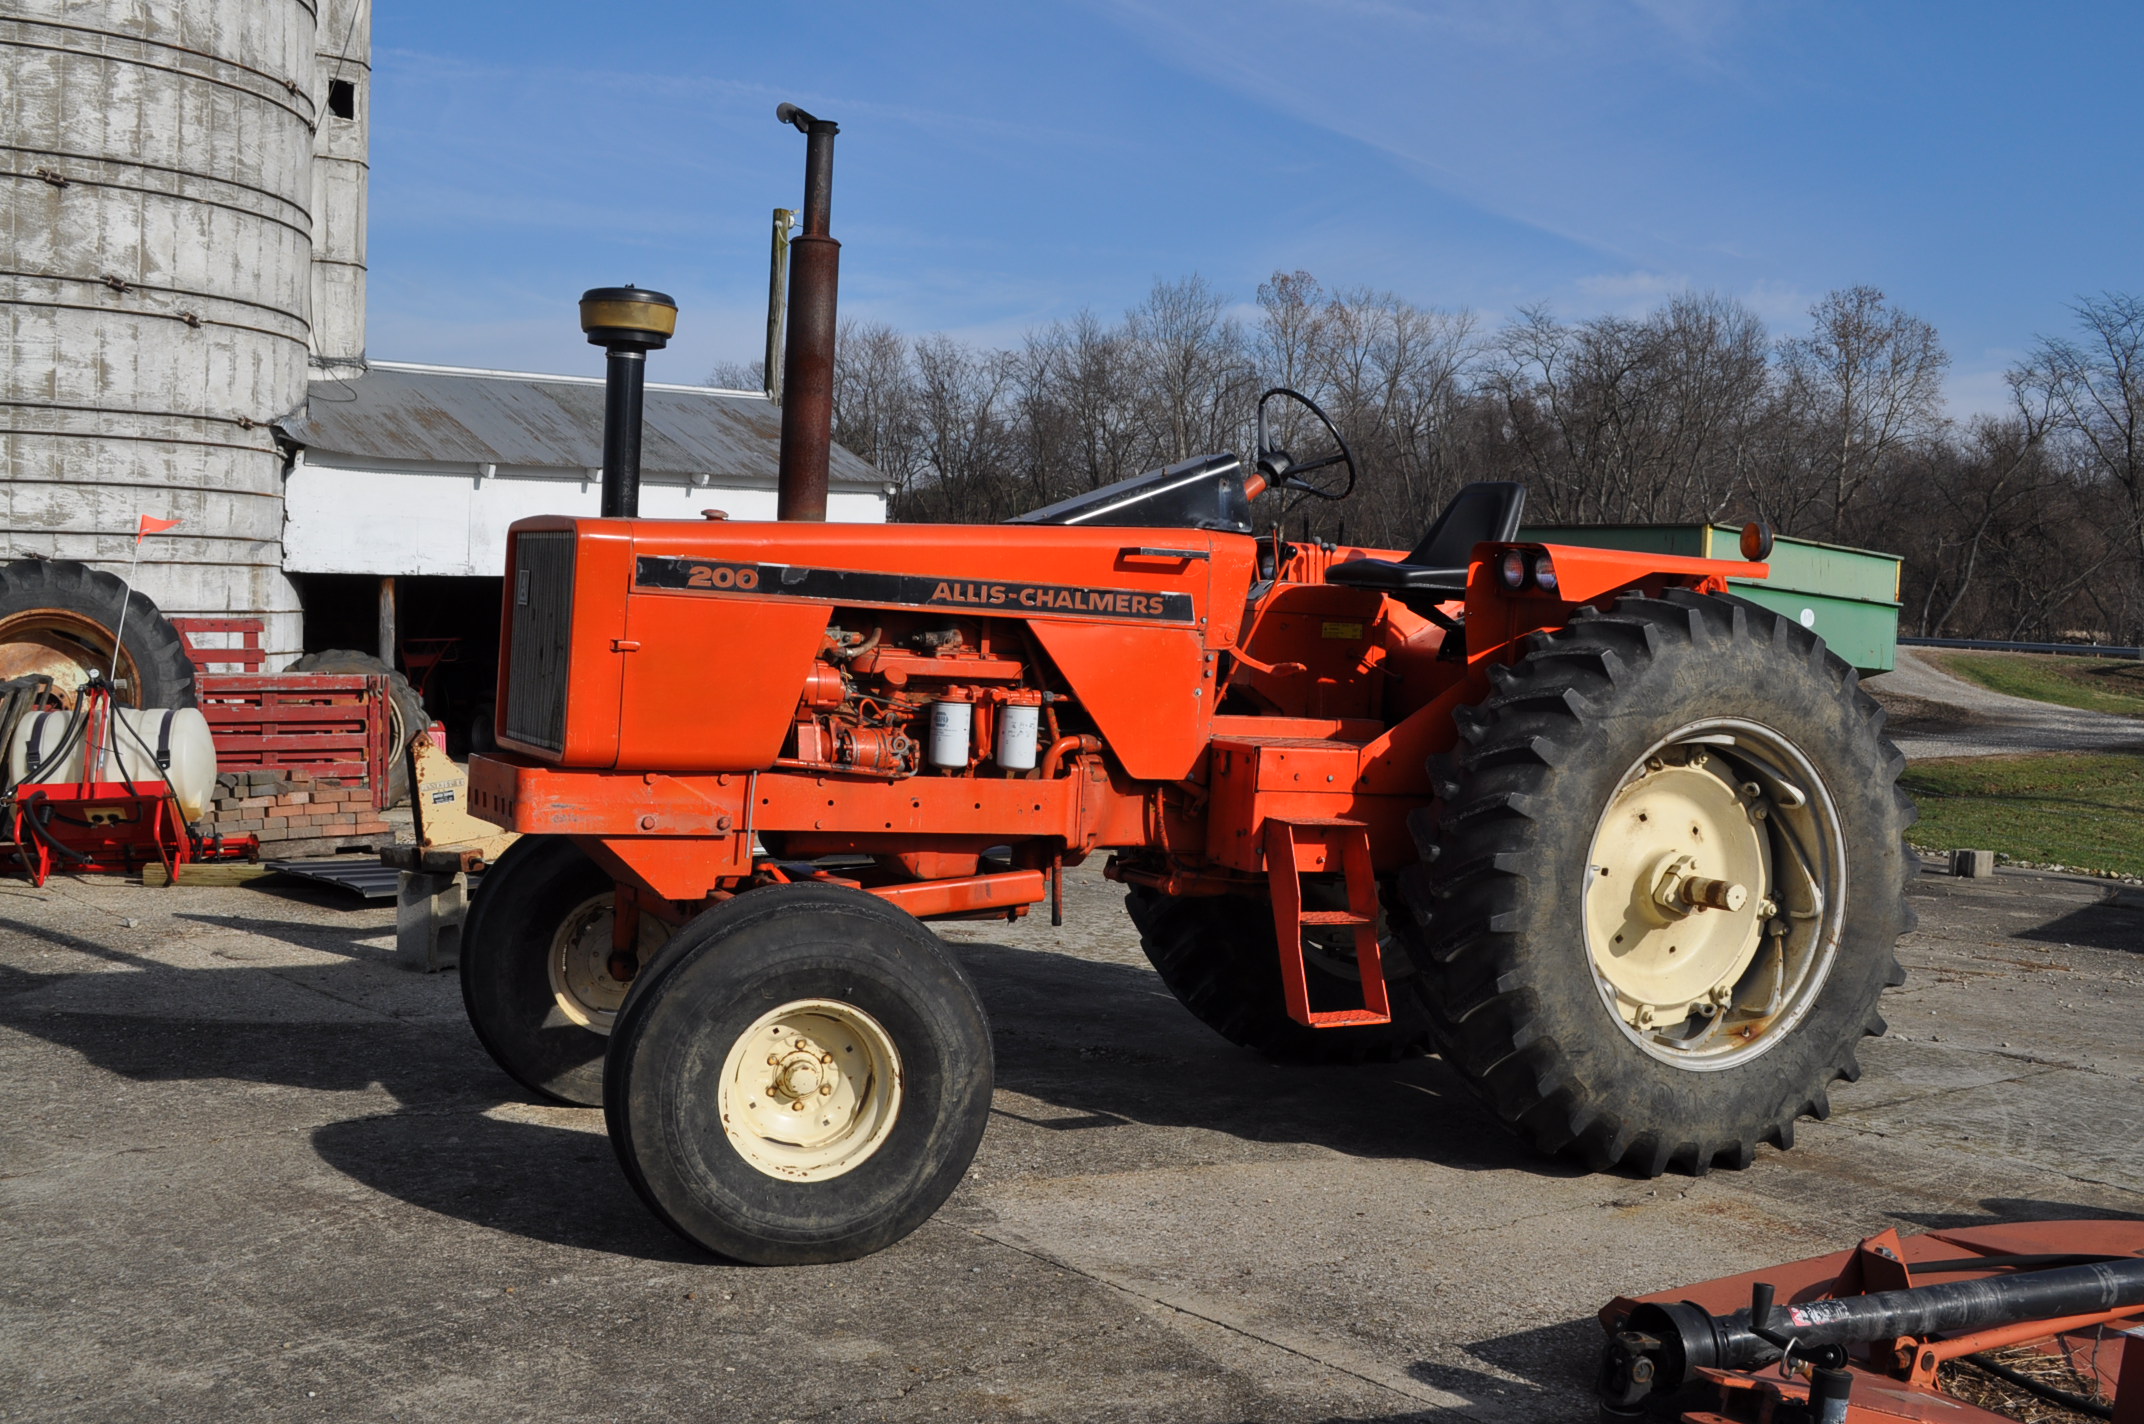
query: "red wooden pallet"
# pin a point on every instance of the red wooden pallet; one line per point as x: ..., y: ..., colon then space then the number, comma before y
x: 328, y: 724
x: 246, y: 657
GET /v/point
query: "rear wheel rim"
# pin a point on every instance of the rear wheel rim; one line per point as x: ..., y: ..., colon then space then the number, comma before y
x: 65, y: 646
x: 810, y: 1091
x: 1714, y: 893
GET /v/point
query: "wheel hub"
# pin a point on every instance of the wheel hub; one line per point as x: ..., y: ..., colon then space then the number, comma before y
x: 583, y: 978
x: 1675, y: 900
x: 810, y: 1090
x: 797, y: 1076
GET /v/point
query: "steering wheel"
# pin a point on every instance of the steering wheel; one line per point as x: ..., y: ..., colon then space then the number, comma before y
x: 1281, y: 469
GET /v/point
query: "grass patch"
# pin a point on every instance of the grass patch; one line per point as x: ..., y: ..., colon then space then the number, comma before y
x: 2097, y: 684
x: 2053, y: 808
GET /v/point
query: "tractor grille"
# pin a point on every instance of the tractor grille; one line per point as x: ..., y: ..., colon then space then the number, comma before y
x: 542, y: 639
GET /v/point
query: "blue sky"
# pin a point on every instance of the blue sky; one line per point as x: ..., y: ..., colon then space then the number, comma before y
x: 1002, y: 165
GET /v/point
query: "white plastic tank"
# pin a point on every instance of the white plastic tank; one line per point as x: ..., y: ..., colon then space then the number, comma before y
x: 155, y: 267
x: 131, y: 753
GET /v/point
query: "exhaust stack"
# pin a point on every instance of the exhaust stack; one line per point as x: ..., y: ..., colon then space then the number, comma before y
x: 808, y: 364
x: 628, y: 323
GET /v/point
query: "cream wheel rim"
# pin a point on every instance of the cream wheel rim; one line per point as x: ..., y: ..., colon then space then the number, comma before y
x: 586, y: 992
x: 811, y: 1090
x: 1713, y: 891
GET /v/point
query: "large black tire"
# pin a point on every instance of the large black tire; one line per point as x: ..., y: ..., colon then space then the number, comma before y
x: 686, y: 1058
x: 87, y: 603
x: 1219, y: 955
x: 405, y: 707
x: 543, y: 887
x: 1518, y: 1005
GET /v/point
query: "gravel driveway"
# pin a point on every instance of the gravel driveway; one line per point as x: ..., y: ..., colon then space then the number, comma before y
x: 1934, y: 714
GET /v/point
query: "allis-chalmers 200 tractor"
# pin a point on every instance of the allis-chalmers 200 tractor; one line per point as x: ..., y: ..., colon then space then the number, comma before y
x: 1624, y: 849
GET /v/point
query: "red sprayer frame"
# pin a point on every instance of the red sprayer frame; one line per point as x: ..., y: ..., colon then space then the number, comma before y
x: 107, y: 827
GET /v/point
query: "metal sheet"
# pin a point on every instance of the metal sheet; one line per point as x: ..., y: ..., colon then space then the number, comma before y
x: 436, y: 413
x: 362, y: 875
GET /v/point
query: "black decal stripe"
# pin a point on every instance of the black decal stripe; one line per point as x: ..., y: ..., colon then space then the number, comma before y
x: 717, y: 576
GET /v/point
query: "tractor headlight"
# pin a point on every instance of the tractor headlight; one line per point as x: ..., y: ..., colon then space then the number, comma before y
x: 1544, y: 573
x: 1512, y: 569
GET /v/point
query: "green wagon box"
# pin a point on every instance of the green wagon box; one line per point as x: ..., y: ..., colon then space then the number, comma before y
x: 1847, y: 595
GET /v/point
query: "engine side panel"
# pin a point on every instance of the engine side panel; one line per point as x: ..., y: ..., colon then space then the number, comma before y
x: 712, y: 689
x: 1150, y: 691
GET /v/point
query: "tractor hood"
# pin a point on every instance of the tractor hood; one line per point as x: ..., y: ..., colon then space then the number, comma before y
x: 662, y: 645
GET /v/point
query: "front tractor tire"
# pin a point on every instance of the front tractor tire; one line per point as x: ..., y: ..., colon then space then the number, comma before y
x: 1662, y: 889
x: 803, y: 1078
x: 536, y: 967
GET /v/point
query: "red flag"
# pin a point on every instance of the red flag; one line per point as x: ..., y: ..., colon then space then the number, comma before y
x: 150, y: 524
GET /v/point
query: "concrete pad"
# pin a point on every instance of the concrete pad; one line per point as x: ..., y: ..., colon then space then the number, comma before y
x: 255, y: 1170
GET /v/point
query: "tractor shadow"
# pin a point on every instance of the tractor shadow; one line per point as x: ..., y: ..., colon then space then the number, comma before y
x: 1099, y: 1044
x: 1104, y: 1044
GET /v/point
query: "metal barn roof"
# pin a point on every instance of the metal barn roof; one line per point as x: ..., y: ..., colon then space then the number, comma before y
x: 402, y: 411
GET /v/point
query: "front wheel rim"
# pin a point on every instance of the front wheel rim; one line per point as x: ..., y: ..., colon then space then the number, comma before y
x: 1714, y: 893
x: 583, y: 987
x: 810, y: 1090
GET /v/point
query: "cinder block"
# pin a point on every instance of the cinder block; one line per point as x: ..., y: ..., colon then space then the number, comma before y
x: 428, y: 920
x: 1972, y: 864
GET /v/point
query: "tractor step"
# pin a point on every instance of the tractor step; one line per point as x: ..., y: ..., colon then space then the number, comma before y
x: 1297, y: 848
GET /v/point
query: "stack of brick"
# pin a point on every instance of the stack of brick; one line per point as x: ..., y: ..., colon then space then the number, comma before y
x: 296, y: 814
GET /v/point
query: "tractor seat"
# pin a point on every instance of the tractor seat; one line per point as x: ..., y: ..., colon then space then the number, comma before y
x: 1483, y: 513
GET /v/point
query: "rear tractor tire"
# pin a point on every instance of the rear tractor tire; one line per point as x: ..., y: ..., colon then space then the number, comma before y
x: 1219, y: 955
x: 1660, y: 902
x: 535, y: 967
x: 803, y: 1078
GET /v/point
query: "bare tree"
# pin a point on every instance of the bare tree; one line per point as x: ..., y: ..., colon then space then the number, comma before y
x: 1652, y: 419
x: 2030, y: 524
x: 2095, y: 385
x: 1198, y: 370
x: 874, y: 400
x: 1865, y: 384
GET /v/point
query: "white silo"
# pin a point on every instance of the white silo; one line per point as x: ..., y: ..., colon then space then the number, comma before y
x: 156, y: 244
x: 341, y: 167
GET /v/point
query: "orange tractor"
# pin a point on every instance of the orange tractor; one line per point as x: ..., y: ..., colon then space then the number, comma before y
x: 1624, y: 849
